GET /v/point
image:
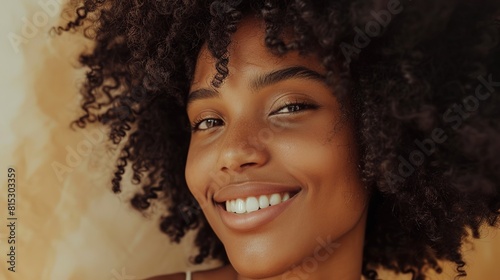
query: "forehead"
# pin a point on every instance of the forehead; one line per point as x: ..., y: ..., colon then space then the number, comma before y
x: 249, y: 55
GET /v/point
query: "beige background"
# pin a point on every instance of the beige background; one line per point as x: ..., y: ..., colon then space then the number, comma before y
x: 70, y: 225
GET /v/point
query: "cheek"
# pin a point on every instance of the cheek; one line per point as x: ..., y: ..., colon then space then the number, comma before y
x: 341, y: 196
x: 197, y: 171
x: 327, y: 169
x: 317, y: 152
x: 326, y: 164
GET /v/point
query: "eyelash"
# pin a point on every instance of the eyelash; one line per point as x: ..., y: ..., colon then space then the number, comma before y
x: 305, y: 106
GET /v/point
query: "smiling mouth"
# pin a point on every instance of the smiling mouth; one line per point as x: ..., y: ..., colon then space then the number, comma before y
x: 254, y: 203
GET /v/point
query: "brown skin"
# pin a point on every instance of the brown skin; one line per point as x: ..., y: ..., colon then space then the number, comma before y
x: 308, y: 146
x: 311, y: 147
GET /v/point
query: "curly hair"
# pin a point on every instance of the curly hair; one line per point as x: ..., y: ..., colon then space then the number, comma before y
x: 419, y: 75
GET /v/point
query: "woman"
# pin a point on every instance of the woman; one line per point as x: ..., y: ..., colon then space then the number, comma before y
x: 319, y: 139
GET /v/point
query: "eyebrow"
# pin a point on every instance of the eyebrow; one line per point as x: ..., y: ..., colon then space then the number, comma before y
x: 261, y: 81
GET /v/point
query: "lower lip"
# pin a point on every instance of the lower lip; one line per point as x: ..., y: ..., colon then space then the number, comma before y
x: 253, y: 220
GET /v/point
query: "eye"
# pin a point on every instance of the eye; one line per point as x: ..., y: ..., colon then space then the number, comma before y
x: 204, y: 124
x: 294, y: 107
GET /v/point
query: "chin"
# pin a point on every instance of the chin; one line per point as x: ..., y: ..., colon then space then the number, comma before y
x: 258, y: 268
x: 258, y: 259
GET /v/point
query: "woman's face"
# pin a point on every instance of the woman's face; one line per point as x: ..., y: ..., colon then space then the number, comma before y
x: 272, y: 138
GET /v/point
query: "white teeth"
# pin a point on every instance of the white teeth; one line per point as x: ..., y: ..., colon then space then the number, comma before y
x: 263, y: 201
x: 275, y: 199
x: 251, y: 204
x: 240, y: 206
x: 286, y: 196
x: 233, y: 206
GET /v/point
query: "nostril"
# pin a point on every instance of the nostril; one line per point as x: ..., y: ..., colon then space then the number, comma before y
x: 237, y: 167
x: 248, y: 164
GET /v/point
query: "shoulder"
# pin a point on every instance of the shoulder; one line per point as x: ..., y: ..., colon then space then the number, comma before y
x: 225, y: 272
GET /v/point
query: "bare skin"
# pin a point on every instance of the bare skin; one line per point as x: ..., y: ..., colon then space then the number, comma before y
x: 286, y: 132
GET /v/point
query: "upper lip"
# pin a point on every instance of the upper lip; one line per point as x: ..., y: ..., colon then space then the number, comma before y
x: 246, y: 189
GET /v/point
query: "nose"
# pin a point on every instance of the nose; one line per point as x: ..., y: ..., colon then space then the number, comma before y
x: 241, y: 149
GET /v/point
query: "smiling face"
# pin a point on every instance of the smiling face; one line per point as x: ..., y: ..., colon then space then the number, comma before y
x: 271, y: 145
